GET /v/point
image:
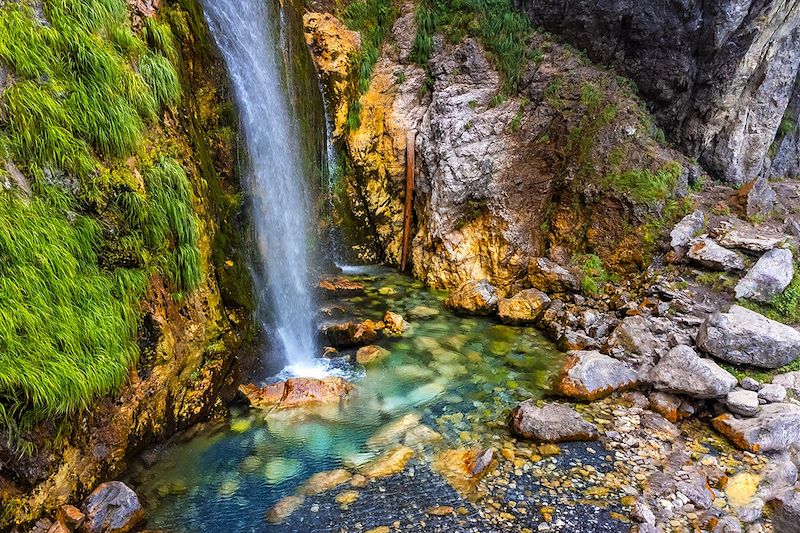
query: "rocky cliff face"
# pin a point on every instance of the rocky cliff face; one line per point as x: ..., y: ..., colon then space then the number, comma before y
x: 717, y: 75
x: 187, y: 342
x: 565, y: 167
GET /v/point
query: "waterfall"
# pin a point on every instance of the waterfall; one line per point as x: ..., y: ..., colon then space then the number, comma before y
x: 249, y: 34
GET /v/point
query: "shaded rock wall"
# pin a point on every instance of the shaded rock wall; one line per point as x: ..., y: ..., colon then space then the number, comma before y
x: 717, y: 75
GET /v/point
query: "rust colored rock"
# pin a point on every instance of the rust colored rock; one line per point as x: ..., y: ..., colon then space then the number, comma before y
x: 58, y: 527
x: 70, y: 516
x: 525, y: 307
x: 590, y: 375
x: 350, y: 334
x: 112, y: 508
x: 284, y: 509
x: 296, y: 392
x: 474, y: 297
x: 775, y: 428
x: 325, y: 481
x: 340, y: 287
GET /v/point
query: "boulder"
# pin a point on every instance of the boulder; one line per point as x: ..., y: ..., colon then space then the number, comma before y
x: 324, y: 481
x: 789, y: 380
x: 284, y: 509
x: 70, y: 516
x: 475, y: 297
x: 392, y: 461
x: 687, y: 229
x: 340, y: 287
x: 769, y: 277
x: 749, y: 383
x: 112, y: 507
x: 350, y: 334
x: 682, y: 371
x: 744, y: 337
x: 772, y: 393
x: 786, y: 513
x: 590, y: 375
x: 296, y: 392
x: 742, y: 402
x: 549, y: 276
x: 634, y: 339
x: 747, y: 237
x: 775, y: 427
x: 525, y: 307
x: 394, y: 324
x: 370, y: 353
x: 707, y: 253
x: 669, y: 406
x: 551, y: 423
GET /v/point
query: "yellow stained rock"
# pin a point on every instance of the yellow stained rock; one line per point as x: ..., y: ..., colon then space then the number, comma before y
x: 389, y: 462
x: 324, y: 481
x: 284, y: 508
x: 741, y: 488
x: 393, y: 431
x: 347, y: 497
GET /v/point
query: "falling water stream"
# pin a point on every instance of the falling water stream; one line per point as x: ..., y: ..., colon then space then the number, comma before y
x: 248, y: 33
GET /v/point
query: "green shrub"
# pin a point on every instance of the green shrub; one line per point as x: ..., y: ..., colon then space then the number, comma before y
x: 784, y: 307
x: 644, y: 185
x: 372, y: 19
x: 594, y: 274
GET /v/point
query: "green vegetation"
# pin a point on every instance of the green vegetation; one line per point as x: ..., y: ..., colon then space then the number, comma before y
x: 503, y: 31
x: 784, y: 307
x: 583, y: 137
x: 85, y: 89
x: 646, y: 186
x: 759, y: 374
x: 786, y: 127
x: 372, y: 19
x: 594, y: 274
x: 67, y: 328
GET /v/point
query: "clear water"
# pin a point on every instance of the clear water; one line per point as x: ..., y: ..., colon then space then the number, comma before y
x: 461, y: 375
x: 250, y: 35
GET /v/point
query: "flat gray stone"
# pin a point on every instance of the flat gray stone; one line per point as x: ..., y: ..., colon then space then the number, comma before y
x: 789, y: 380
x: 744, y: 337
x: 590, y: 375
x: 682, y: 371
x: 551, y: 423
x: 772, y: 393
x: 707, y: 253
x: 687, y: 229
x: 775, y: 427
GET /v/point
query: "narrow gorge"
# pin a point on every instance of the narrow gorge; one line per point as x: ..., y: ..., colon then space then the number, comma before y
x: 399, y: 265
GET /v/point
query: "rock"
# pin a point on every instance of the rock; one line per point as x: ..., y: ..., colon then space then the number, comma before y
x: 746, y: 237
x: 440, y: 510
x: 284, y: 509
x: 392, y: 432
x: 423, y: 312
x: 551, y: 423
x: 749, y: 383
x: 370, y: 353
x: 549, y: 276
x: 742, y: 336
x: 682, y: 371
x: 654, y: 422
x: 296, y: 392
x: 324, y: 481
x: 772, y: 393
x: 742, y: 402
x: 390, y: 462
x: 698, y: 492
x: 789, y: 380
x: 768, y: 278
x: 350, y: 334
x: 340, y: 287
x: 634, y: 338
x: 525, y: 307
x: 761, y: 197
x: 421, y: 435
x: 642, y: 513
x: 669, y: 406
x: 395, y: 324
x: 70, y: 516
x: 687, y: 229
x: 482, y: 461
x: 775, y: 427
x: 111, y: 508
x: 707, y: 253
x: 786, y: 513
x: 727, y: 524
x: 475, y: 297
x: 590, y: 375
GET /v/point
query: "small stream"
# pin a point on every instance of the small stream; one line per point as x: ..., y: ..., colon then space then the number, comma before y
x: 460, y: 375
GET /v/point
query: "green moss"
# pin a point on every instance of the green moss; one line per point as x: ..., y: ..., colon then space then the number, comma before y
x: 67, y: 328
x: 644, y: 185
x: 595, y: 275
